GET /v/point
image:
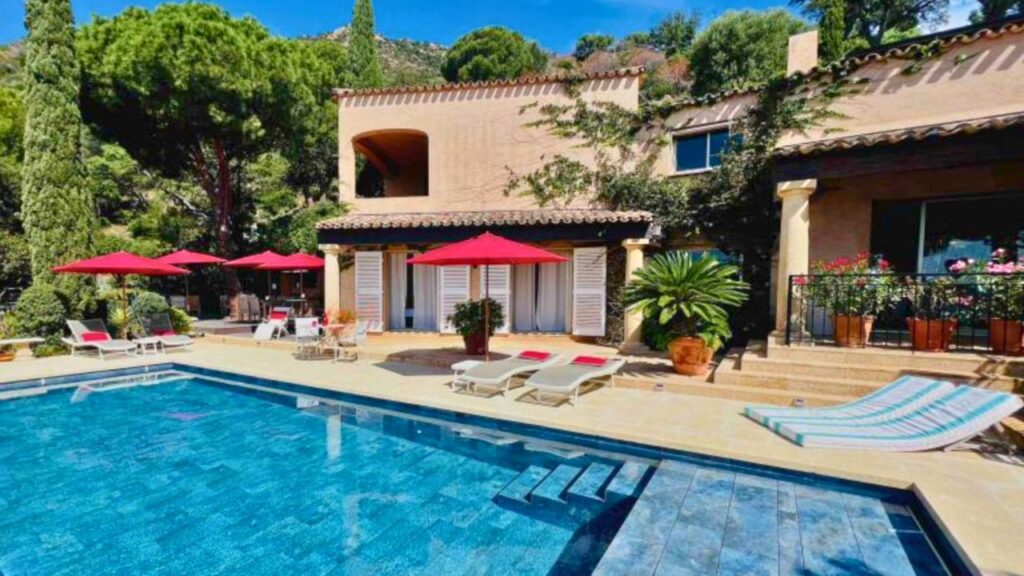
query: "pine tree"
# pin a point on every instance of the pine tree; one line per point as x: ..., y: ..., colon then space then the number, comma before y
x: 832, y: 28
x: 362, y: 47
x: 57, y: 208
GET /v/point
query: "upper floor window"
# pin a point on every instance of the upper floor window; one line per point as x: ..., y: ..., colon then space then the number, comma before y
x: 703, y: 151
x: 392, y: 163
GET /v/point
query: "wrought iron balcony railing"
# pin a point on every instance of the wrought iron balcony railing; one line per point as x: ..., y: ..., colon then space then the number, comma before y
x: 981, y: 312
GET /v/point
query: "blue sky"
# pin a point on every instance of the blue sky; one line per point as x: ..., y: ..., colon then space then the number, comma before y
x: 554, y: 23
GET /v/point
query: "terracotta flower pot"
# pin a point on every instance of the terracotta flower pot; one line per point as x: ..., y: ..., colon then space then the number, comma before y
x: 474, y: 344
x: 931, y: 335
x: 853, y: 331
x: 1006, y: 336
x: 7, y: 355
x: 690, y: 356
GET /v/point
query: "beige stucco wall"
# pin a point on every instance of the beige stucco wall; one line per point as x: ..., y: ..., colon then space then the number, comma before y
x: 476, y: 135
x: 840, y: 211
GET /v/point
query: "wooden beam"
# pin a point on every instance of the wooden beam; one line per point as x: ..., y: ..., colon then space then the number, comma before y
x: 380, y: 161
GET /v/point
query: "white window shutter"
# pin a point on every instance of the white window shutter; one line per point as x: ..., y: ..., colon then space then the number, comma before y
x: 589, y: 269
x: 454, y: 281
x: 499, y: 279
x: 370, y: 289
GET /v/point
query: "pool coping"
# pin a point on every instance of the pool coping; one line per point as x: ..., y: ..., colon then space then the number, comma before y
x: 947, y: 546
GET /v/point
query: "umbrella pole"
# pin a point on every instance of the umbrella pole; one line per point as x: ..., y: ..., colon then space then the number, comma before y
x: 186, y: 293
x: 124, y: 306
x: 487, y: 314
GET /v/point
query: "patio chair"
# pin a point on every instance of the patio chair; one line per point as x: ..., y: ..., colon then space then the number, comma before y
x: 498, y: 375
x: 351, y: 336
x: 159, y: 326
x: 949, y: 421
x: 308, y: 337
x: 901, y: 396
x: 279, y: 317
x: 566, y: 380
x: 93, y: 334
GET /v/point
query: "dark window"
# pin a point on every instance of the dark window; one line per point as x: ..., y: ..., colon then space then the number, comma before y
x: 701, y: 151
x: 895, y: 231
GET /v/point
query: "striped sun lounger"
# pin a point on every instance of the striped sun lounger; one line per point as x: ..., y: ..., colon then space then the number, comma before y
x: 901, y: 396
x: 958, y: 416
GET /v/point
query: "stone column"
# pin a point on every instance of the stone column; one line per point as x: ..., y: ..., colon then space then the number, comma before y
x: 632, y: 319
x: 794, y: 240
x: 332, y: 277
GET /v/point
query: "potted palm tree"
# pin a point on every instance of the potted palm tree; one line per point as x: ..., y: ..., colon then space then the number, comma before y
x: 469, y: 321
x: 688, y: 296
x: 7, y: 352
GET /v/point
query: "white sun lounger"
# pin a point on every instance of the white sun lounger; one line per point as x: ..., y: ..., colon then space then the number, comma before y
x: 498, y: 375
x: 92, y: 334
x: 159, y: 326
x: 307, y: 337
x: 957, y: 417
x: 901, y: 396
x: 566, y: 380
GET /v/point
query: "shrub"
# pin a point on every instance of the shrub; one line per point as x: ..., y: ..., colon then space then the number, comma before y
x: 468, y: 318
x: 181, y: 322
x: 40, y: 311
x: 143, y: 305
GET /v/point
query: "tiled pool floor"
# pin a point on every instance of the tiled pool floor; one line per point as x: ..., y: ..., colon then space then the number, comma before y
x: 195, y: 478
x: 696, y: 520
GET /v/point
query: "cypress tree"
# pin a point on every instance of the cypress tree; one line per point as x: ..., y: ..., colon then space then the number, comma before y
x: 56, y: 207
x: 362, y: 47
x: 832, y: 30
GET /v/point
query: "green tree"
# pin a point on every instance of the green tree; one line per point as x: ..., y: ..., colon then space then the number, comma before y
x: 874, y: 21
x: 590, y: 43
x: 362, y: 50
x: 832, y: 30
x: 742, y: 48
x: 492, y: 53
x: 990, y: 10
x: 190, y: 91
x: 56, y: 208
x: 12, y: 123
x: 675, y: 34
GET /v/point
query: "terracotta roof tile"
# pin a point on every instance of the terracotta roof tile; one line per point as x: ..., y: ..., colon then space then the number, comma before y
x: 907, y: 134
x: 524, y: 81
x: 364, y: 221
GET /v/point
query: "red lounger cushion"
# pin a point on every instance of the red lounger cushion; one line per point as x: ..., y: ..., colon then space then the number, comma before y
x: 164, y: 333
x: 95, y: 336
x: 589, y: 361
x: 278, y: 315
x: 534, y: 355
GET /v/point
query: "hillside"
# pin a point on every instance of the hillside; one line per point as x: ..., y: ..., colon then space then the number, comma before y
x: 10, y: 63
x: 405, y: 61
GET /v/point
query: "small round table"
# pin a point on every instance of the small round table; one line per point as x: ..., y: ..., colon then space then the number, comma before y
x: 149, y: 346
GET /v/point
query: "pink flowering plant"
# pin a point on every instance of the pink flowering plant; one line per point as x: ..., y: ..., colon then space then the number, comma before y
x: 1000, y: 281
x: 857, y: 286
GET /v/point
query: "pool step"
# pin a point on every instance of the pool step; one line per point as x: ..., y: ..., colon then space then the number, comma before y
x: 587, y: 488
x: 549, y: 492
x: 516, y: 491
x: 626, y: 482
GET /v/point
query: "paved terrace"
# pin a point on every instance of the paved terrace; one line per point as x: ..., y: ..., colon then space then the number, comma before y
x: 978, y: 500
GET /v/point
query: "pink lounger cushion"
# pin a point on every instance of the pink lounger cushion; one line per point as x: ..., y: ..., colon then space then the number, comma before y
x: 595, y: 361
x: 534, y: 355
x: 95, y: 336
x: 164, y: 333
x: 278, y: 315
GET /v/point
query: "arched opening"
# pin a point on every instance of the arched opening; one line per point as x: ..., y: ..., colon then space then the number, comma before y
x: 391, y: 163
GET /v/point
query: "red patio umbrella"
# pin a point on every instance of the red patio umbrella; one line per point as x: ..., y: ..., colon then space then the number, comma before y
x: 486, y: 250
x: 300, y: 262
x: 189, y: 258
x: 121, y: 264
x: 254, y: 261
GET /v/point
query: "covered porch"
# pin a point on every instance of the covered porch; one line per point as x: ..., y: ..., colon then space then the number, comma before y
x: 921, y: 199
x: 368, y: 273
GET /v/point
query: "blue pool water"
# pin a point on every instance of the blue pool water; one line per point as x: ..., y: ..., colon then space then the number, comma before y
x: 192, y: 476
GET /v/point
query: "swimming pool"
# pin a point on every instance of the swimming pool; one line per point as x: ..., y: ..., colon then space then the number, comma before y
x: 186, y: 471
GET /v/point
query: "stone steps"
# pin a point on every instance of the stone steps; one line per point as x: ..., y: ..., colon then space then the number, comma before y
x: 568, y: 484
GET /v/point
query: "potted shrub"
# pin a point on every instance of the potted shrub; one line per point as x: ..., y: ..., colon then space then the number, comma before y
x: 468, y: 321
x: 1002, y: 281
x: 7, y: 352
x: 934, y: 321
x: 689, y: 297
x: 852, y: 290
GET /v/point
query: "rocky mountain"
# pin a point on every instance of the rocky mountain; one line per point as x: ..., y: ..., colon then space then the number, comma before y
x: 404, y: 61
x: 10, y: 63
